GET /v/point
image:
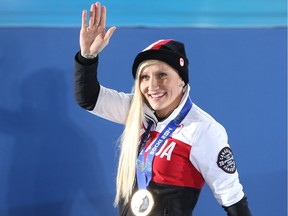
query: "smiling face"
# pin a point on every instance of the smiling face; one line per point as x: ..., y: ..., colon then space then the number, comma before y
x: 162, y: 87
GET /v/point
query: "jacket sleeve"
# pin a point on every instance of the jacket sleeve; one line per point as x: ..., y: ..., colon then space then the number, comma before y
x: 238, y: 209
x: 213, y: 158
x: 98, y: 100
x: 86, y: 85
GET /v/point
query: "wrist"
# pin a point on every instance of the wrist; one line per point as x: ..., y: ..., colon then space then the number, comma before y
x: 86, y: 61
x: 88, y: 56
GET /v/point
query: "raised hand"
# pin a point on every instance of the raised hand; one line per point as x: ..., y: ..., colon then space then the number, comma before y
x: 94, y: 38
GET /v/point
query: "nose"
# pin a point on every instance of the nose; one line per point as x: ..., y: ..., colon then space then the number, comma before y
x: 153, y: 84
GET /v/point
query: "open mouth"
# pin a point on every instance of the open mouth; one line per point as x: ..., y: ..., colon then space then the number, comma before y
x: 157, y: 96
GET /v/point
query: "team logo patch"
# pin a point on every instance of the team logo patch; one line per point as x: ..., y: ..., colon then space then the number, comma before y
x: 226, y: 160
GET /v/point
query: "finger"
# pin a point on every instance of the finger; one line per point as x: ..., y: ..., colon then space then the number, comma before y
x: 92, y: 15
x: 84, y: 19
x: 103, y: 17
x: 109, y: 33
x: 98, y: 13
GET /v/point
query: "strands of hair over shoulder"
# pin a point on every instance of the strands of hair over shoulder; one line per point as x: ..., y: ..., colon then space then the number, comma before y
x: 130, y: 142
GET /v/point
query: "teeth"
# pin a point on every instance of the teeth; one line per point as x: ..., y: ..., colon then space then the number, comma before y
x: 157, y: 95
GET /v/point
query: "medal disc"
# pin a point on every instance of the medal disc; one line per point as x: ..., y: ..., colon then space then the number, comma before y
x: 142, y: 202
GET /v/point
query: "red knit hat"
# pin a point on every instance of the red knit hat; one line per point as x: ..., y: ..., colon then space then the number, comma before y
x: 169, y: 51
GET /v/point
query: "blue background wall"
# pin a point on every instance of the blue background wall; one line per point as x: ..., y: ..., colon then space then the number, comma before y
x: 148, y: 13
x: 57, y: 159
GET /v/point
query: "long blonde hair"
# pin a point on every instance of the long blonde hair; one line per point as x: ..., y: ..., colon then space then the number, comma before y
x: 130, y: 141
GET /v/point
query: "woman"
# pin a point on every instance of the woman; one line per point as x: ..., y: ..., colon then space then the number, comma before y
x: 169, y: 147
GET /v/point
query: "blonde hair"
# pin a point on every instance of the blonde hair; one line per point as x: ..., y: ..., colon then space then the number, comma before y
x: 130, y: 141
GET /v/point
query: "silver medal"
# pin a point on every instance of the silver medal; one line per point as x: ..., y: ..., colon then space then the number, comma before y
x: 142, y: 202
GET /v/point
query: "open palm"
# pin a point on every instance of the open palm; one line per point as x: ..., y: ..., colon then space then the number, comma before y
x: 93, y: 37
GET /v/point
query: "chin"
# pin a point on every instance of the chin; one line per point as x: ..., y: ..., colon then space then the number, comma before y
x: 157, y: 108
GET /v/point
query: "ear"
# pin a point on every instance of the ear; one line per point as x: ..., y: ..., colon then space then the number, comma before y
x: 182, y: 84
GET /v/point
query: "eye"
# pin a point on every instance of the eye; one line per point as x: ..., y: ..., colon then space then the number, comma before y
x: 162, y: 75
x: 144, y: 77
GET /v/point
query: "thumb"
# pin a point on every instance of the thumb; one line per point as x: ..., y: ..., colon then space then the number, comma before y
x: 109, y: 33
